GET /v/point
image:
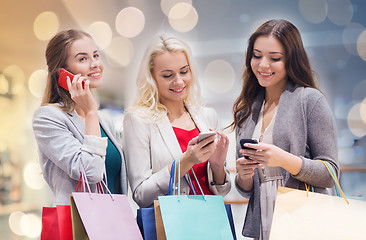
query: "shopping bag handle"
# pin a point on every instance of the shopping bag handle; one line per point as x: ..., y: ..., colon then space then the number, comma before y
x: 172, y: 181
x: 84, y: 180
x: 335, y: 179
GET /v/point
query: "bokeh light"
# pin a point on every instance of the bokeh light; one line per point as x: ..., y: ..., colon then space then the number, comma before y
x: 335, y: 55
x: 361, y: 45
x: 314, y: 11
x: 120, y: 52
x: 166, y: 5
x: 45, y: 25
x: 31, y: 225
x: 346, y: 155
x: 15, y: 222
x: 345, y: 139
x: 355, y: 123
x: 359, y: 91
x: 16, y: 78
x: 219, y: 76
x: 363, y: 110
x: 101, y: 33
x: 32, y: 176
x: 342, y: 105
x: 183, y: 17
x: 350, y: 36
x: 214, y: 8
x: 4, y: 84
x: 130, y: 22
x: 340, y: 12
x: 37, y: 82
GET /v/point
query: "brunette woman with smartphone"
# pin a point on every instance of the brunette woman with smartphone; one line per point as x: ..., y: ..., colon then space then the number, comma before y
x: 281, y: 107
x: 70, y: 131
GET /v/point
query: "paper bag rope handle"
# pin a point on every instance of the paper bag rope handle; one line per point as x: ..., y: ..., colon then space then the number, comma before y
x: 335, y: 179
x: 172, y: 178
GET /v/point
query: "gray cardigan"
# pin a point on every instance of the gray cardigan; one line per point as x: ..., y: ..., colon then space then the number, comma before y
x: 305, y: 127
x: 63, y: 147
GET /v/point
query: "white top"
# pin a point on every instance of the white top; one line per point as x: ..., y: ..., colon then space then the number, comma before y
x: 270, y: 177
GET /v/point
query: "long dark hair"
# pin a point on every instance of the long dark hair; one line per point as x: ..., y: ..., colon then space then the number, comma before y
x: 297, y: 65
x: 56, y: 56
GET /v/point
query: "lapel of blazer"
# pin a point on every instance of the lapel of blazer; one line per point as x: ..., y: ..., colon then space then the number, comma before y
x: 78, y: 123
x: 168, y: 135
x: 198, y: 118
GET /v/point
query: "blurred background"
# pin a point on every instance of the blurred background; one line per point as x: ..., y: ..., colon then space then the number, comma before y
x: 333, y: 33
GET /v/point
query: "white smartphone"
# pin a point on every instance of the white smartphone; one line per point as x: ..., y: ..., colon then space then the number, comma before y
x: 204, y: 135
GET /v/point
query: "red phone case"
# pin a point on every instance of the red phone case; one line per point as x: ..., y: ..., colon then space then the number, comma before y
x: 62, y: 78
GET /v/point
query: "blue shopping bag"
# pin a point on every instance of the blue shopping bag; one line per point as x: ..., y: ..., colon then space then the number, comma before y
x: 146, y: 222
x: 194, y: 216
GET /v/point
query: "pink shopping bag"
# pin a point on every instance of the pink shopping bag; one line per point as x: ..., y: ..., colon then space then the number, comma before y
x: 106, y: 216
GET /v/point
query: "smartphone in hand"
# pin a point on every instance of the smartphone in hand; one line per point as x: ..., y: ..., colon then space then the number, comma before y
x: 244, y: 141
x: 204, y: 135
x: 62, y: 78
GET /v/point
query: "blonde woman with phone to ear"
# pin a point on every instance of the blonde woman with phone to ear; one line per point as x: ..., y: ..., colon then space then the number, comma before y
x: 163, y: 124
x: 69, y: 129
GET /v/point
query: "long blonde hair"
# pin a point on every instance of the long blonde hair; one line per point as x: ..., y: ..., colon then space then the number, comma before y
x: 146, y: 102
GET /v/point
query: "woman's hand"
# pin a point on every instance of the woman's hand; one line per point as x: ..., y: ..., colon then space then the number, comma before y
x: 196, y: 153
x: 273, y: 156
x: 218, y: 158
x: 200, y: 152
x: 82, y: 95
x: 86, y: 103
x: 245, y: 172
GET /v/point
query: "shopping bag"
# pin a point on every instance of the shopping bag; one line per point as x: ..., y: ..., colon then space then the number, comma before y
x: 78, y: 229
x: 146, y: 222
x: 317, y: 216
x: 160, y: 232
x: 105, y: 216
x: 193, y: 216
x: 56, y: 223
x: 231, y: 219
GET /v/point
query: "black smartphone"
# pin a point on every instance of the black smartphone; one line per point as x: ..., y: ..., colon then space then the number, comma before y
x: 244, y: 141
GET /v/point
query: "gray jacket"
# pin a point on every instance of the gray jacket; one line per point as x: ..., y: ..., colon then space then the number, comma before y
x: 305, y: 127
x: 63, y: 147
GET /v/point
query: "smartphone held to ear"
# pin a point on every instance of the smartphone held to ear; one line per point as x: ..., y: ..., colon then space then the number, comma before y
x: 62, y: 78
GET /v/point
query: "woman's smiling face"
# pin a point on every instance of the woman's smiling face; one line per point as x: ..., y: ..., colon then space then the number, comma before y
x: 172, y: 75
x: 268, y: 62
x: 84, y: 59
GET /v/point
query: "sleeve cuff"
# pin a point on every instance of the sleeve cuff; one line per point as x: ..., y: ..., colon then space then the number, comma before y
x: 241, y: 191
x: 95, y: 145
x: 216, y: 189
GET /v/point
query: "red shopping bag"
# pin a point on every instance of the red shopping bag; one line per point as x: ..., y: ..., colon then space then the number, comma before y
x: 56, y: 223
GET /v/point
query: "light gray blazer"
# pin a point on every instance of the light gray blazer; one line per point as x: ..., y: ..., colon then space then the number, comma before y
x: 63, y: 147
x: 305, y: 127
x: 151, y: 146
